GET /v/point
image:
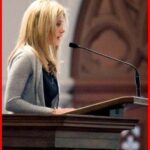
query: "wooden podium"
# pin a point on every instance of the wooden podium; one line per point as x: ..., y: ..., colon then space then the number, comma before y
x: 107, y: 108
x: 91, y: 127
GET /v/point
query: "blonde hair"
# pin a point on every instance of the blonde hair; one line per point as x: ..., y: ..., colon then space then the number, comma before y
x: 38, y: 24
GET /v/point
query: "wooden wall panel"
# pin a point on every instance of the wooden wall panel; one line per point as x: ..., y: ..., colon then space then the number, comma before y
x: 116, y: 28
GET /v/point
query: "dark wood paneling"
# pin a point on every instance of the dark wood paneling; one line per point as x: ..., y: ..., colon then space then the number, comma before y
x: 63, y: 132
x: 119, y: 29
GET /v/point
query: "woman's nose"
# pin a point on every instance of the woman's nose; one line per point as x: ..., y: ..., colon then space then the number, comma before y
x: 62, y: 30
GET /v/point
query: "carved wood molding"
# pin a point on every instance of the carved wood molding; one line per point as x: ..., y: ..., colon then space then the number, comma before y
x: 63, y: 132
x: 119, y: 29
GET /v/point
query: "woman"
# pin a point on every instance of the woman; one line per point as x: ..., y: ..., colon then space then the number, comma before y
x: 33, y: 64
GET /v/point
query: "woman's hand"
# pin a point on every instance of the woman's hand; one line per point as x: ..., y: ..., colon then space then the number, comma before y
x: 60, y: 111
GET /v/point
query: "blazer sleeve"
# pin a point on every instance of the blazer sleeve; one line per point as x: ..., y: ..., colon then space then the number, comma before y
x: 18, y: 75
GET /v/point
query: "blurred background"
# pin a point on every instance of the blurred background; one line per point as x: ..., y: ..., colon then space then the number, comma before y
x: 117, y: 28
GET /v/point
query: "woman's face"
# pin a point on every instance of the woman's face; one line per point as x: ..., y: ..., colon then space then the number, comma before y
x: 59, y: 30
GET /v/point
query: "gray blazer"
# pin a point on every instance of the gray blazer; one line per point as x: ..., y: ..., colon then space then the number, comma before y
x: 24, y: 89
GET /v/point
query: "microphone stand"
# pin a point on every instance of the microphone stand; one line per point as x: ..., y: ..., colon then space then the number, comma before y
x: 137, y: 76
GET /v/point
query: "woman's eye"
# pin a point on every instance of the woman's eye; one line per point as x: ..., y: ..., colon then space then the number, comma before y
x: 58, y: 24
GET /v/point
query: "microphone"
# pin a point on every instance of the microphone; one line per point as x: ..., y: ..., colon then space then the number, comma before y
x: 137, y: 77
